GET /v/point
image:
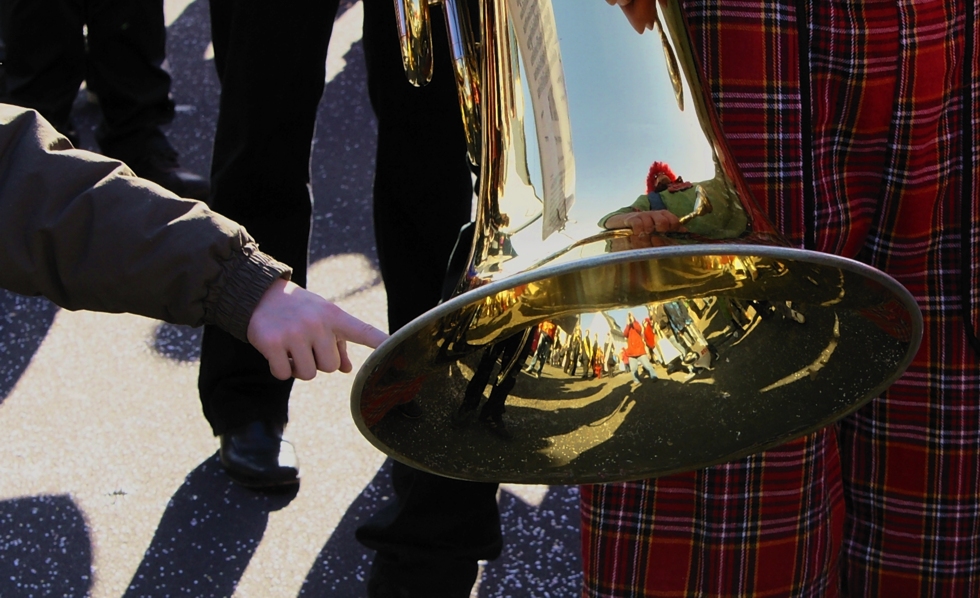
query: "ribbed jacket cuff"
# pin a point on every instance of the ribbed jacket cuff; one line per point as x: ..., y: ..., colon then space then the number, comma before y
x: 245, y: 282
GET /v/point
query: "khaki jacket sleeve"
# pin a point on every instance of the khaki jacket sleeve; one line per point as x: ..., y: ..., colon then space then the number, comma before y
x: 85, y: 232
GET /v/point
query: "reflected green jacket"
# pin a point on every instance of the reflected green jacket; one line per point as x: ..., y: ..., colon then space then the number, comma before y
x: 726, y: 221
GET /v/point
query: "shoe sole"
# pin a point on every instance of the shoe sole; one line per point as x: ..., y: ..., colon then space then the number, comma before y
x: 255, y: 483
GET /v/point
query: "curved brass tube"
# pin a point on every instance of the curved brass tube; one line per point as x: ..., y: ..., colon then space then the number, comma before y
x: 465, y: 56
x: 415, y: 39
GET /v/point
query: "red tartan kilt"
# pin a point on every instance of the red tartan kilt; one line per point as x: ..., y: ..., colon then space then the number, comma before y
x: 768, y: 525
x: 885, y: 117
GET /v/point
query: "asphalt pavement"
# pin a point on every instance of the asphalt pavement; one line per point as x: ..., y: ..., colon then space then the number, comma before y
x: 109, y: 481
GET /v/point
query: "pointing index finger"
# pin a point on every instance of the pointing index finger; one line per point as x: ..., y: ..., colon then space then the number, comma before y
x: 362, y: 333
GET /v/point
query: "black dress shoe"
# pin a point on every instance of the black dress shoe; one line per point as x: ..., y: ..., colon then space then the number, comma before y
x: 256, y: 456
x: 410, y: 410
x: 495, y: 423
x: 160, y: 165
x: 465, y: 412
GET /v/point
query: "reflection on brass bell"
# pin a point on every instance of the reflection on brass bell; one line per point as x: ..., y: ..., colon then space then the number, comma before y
x: 572, y: 351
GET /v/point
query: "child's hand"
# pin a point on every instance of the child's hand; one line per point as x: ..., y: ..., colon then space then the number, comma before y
x: 300, y: 332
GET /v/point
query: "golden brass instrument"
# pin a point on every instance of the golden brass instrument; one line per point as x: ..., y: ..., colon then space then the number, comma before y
x: 753, y: 342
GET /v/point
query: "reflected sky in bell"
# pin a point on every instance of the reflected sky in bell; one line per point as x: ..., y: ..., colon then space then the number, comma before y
x: 623, y: 111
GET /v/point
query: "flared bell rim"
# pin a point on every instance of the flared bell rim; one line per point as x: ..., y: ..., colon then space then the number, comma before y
x: 543, y: 273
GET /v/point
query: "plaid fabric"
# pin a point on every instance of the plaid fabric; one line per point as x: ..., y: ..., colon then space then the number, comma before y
x: 769, y: 525
x: 889, y: 176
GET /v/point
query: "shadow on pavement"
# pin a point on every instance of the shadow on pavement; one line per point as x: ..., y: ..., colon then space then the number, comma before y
x: 24, y: 322
x: 541, y: 554
x: 341, y: 568
x: 45, y: 549
x: 206, y: 537
x: 179, y: 343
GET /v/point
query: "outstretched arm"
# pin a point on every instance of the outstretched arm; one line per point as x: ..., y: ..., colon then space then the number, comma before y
x: 83, y: 231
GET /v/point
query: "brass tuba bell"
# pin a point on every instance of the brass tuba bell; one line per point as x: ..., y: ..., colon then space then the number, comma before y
x: 571, y: 351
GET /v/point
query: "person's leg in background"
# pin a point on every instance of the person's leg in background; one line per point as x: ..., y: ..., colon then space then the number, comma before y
x: 270, y: 61
x: 121, y: 60
x: 545, y: 356
x: 478, y: 383
x: 644, y: 360
x: 45, y: 57
x: 429, y: 539
x: 634, y: 366
x: 492, y: 413
x: 127, y: 44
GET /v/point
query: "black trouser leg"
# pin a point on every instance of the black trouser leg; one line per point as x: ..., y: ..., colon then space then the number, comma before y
x: 45, y: 56
x: 127, y: 44
x: 270, y: 61
x: 494, y: 407
x: 432, y: 535
x: 423, y: 183
x: 481, y: 377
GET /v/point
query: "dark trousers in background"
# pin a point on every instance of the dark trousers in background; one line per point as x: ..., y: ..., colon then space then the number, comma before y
x: 270, y: 61
x: 429, y: 539
x: 48, y: 57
